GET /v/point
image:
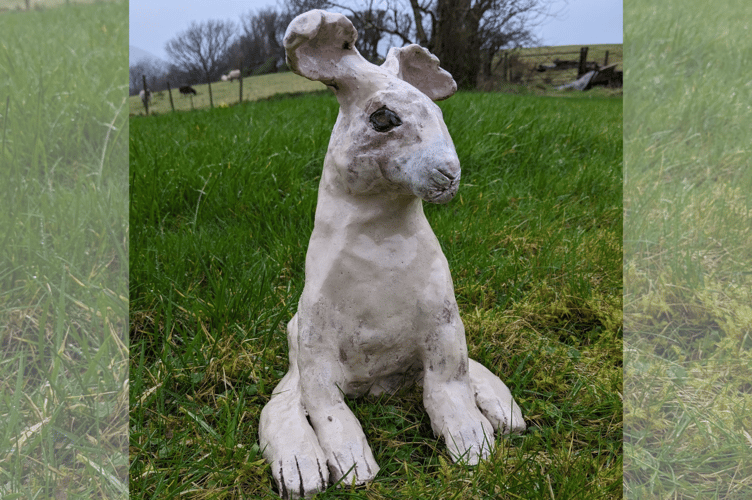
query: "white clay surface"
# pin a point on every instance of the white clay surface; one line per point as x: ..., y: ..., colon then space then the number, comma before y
x: 378, y: 307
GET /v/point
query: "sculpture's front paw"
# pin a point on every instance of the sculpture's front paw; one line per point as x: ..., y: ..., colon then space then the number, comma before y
x: 352, y: 464
x: 289, y: 444
x: 469, y: 437
x: 300, y: 476
x: 495, y: 400
x: 347, y: 452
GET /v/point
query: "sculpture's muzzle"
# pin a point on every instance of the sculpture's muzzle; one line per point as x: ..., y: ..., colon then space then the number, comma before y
x: 443, y: 184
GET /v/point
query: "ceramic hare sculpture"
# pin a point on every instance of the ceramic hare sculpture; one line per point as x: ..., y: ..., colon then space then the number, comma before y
x: 378, y: 308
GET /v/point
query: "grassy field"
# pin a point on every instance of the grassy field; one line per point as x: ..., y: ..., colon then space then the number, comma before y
x: 227, y: 93
x: 63, y: 266
x: 222, y: 203
x: 688, y: 250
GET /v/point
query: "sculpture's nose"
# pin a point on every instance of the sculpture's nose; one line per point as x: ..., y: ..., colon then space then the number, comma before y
x: 446, y: 174
x: 444, y: 181
x: 443, y: 178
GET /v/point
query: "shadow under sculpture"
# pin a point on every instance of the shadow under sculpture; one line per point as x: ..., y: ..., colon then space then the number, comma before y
x: 378, y: 308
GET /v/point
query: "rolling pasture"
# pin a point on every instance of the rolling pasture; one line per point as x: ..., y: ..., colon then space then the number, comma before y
x: 222, y: 205
x: 63, y: 265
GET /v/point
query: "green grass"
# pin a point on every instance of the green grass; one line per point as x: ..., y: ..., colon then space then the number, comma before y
x: 223, y: 202
x: 688, y: 201
x: 63, y: 267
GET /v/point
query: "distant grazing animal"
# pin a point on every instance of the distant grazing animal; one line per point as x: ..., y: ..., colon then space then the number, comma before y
x: 187, y: 89
x: 145, y: 96
x: 232, y: 75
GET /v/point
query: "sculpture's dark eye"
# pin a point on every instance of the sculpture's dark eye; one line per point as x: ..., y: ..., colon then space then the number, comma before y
x: 385, y: 120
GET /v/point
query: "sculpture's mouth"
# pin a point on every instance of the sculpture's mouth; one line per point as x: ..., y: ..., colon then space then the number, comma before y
x: 443, y: 186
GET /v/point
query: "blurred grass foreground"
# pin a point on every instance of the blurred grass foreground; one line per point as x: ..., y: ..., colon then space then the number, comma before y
x: 64, y: 260
x: 688, y: 250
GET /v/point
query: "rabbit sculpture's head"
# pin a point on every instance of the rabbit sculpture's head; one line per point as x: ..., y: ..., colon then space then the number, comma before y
x: 390, y: 137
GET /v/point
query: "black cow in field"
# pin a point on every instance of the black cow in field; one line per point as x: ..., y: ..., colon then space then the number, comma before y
x: 187, y: 89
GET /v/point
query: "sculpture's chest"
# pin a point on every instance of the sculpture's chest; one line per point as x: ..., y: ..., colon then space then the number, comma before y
x: 391, y: 274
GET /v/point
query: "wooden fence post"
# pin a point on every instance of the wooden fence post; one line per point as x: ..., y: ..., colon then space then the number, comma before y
x: 169, y: 91
x: 605, y: 61
x: 240, y: 99
x: 581, y: 69
x: 146, y: 95
x: 211, y: 97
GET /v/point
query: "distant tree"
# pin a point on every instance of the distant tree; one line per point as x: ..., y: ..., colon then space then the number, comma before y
x: 370, y: 25
x: 294, y: 8
x: 467, y: 31
x: 260, y: 46
x: 498, y: 31
x: 144, y: 67
x: 203, y: 48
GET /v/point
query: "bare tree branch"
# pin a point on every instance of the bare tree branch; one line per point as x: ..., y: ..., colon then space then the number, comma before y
x: 260, y: 45
x: 203, y: 46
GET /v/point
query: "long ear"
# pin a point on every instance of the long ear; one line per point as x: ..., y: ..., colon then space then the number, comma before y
x: 316, y: 41
x: 420, y: 68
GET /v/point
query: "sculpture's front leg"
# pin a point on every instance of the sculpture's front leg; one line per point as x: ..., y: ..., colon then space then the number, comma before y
x: 447, y: 394
x: 338, y: 431
x: 289, y: 444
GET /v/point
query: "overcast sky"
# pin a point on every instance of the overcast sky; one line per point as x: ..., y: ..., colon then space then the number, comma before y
x: 154, y: 22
